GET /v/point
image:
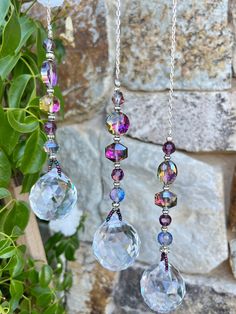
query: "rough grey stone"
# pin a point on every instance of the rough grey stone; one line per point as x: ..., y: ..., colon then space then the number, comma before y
x: 93, y: 285
x: 201, y: 205
x: 203, y: 121
x: 200, y: 187
x: 80, y: 160
x: 204, y: 44
x: 198, y: 300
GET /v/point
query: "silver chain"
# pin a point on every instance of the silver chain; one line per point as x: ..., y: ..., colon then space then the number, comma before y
x: 49, y: 20
x: 118, y: 15
x: 172, y: 66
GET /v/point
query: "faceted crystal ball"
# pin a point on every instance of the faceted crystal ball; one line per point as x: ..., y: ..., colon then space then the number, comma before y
x: 53, y: 196
x: 163, y: 291
x: 116, y: 244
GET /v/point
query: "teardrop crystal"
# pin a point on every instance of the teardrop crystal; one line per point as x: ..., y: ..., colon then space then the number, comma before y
x: 53, y: 196
x: 116, y: 244
x: 163, y: 291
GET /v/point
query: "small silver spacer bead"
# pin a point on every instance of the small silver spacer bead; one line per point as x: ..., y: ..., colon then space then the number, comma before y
x: 117, y: 83
x: 116, y: 138
x: 50, y: 56
x: 116, y: 184
x: 165, y: 211
x: 50, y: 34
x: 167, y: 157
x: 52, y: 156
x: 169, y: 139
x: 166, y: 187
x: 117, y: 108
x: 117, y: 165
x: 51, y: 117
x: 164, y: 229
x: 165, y: 249
x: 51, y: 136
x: 50, y: 91
x: 115, y: 205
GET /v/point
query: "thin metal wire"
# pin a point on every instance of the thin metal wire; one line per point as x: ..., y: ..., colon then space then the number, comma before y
x: 49, y: 20
x: 118, y: 15
x: 172, y: 67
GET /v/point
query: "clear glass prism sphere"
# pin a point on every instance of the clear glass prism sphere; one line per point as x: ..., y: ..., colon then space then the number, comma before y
x: 116, y: 244
x: 163, y: 291
x: 53, y: 196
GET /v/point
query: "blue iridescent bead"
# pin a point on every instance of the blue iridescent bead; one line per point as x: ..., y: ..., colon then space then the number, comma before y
x: 51, y: 147
x: 165, y: 238
x: 117, y: 195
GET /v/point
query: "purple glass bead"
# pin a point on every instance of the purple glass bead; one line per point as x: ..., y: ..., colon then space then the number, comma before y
x: 116, y: 152
x: 117, y: 195
x: 51, y: 147
x: 165, y: 238
x: 117, y: 174
x: 118, y: 98
x: 117, y: 123
x: 168, y: 148
x: 167, y: 172
x: 49, y: 73
x: 55, y: 107
x: 165, y: 220
x: 50, y: 127
x: 49, y: 44
x: 166, y: 199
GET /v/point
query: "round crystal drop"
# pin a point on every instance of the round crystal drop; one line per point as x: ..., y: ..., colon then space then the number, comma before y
x: 116, y: 244
x: 163, y: 291
x: 53, y: 196
x: 117, y: 123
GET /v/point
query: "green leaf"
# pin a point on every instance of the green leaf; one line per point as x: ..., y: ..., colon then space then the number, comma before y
x: 4, y: 7
x: 28, y: 181
x: 67, y: 281
x: 18, y: 153
x: 19, y: 264
x: 7, y: 252
x: 4, y: 243
x: 4, y: 193
x: 17, y: 89
x: 15, y: 118
x: 70, y: 252
x: 16, y: 291
x: 27, y: 27
x: 34, y: 157
x: 59, y: 95
x: 6, y: 130
x: 52, y: 309
x: 45, y: 276
x: 40, y: 50
x: 11, y: 35
x: 5, y: 170
x: 44, y: 299
x: 17, y: 216
x: 7, y: 64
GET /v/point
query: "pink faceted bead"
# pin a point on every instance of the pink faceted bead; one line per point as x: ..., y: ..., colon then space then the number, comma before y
x: 118, y: 98
x: 117, y: 123
x: 116, y: 152
x: 117, y: 174
x: 55, y: 107
x: 168, y: 148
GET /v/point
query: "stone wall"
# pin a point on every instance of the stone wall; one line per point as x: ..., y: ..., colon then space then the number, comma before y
x: 204, y: 130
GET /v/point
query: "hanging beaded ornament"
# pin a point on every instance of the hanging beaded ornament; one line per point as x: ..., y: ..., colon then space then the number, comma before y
x: 53, y: 195
x: 162, y: 286
x: 116, y: 243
